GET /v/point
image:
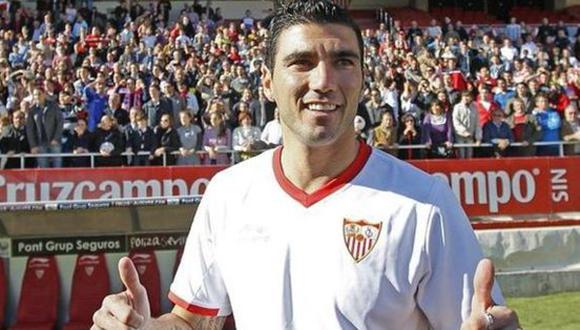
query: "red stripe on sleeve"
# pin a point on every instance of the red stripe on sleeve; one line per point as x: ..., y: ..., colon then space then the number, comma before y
x: 192, y: 308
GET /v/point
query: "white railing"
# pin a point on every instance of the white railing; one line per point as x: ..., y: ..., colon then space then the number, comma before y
x: 92, y: 156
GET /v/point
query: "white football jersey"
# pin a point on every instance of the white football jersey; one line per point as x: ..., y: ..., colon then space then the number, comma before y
x: 382, y: 246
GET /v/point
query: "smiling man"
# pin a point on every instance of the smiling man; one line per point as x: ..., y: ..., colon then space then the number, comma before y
x: 351, y: 238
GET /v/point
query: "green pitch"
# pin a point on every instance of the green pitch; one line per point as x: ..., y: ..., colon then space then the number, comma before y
x: 554, y: 312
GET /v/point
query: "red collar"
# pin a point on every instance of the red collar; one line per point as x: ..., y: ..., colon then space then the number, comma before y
x: 364, y: 152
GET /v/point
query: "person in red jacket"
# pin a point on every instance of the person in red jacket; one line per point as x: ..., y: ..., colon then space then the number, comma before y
x: 485, y: 105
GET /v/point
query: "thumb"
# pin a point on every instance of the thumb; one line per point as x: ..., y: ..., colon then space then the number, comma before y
x: 136, y: 293
x: 482, y: 286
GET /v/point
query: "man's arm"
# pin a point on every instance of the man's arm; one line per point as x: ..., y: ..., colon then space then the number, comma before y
x: 182, y: 319
x: 130, y: 309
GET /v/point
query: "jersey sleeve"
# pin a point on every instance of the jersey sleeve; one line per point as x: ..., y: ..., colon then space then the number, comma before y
x: 198, y: 285
x: 451, y: 254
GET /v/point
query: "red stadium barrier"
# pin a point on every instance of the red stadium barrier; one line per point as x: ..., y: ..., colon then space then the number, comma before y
x: 508, y: 186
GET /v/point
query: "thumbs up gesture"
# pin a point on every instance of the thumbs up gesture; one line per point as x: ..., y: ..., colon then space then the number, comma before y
x: 128, y: 309
x: 485, y: 315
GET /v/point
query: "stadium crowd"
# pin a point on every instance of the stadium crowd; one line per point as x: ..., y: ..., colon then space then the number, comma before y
x: 134, y: 81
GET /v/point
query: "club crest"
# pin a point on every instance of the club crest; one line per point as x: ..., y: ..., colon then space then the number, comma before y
x: 360, y: 237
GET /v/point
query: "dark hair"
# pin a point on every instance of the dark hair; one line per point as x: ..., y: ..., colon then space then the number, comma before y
x: 297, y: 12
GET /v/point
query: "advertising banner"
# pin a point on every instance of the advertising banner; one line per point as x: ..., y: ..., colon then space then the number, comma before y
x: 36, y: 185
x: 68, y: 245
x: 484, y: 186
x: 511, y: 186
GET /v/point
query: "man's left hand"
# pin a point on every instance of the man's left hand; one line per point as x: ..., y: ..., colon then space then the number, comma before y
x: 485, y: 315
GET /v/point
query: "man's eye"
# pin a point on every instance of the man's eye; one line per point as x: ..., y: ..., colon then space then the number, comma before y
x: 345, y: 62
x: 300, y: 64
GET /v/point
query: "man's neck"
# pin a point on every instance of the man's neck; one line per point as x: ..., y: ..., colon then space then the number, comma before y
x: 309, y: 168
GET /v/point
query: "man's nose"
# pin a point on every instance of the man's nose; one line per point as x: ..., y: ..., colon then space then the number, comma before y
x: 323, y: 78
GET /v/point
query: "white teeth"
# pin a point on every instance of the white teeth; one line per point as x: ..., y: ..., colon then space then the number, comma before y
x: 321, y: 107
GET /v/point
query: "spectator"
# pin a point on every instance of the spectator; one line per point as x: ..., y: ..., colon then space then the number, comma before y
x: 44, y: 128
x: 437, y: 131
x: 108, y: 142
x: 550, y: 123
x: 498, y: 133
x: 410, y: 135
x: 570, y: 130
x: 115, y: 110
x: 177, y: 102
x: 96, y: 99
x: 217, y: 140
x: 525, y: 129
x: 157, y: 106
x: 272, y: 133
x: 142, y: 142
x: 375, y: 108
x: 466, y: 125
x: 384, y: 136
x: 359, y: 128
x: 485, y: 105
x: 190, y: 136
x: 250, y: 105
x: 167, y: 141
x: 13, y: 141
x: 523, y: 95
x: 502, y: 96
x: 246, y: 138
x: 81, y: 142
x: 132, y: 95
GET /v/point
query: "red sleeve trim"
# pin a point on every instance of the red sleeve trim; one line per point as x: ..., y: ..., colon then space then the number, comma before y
x: 364, y: 152
x: 192, y: 308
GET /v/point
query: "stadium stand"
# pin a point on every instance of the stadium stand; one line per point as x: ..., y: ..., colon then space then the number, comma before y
x: 146, y: 263
x: 39, y: 296
x: 90, y: 284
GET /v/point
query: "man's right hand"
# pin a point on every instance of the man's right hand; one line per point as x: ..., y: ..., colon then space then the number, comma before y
x: 34, y: 150
x: 128, y: 309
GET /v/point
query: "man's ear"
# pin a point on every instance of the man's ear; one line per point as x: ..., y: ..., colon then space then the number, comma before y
x: 267, y: 83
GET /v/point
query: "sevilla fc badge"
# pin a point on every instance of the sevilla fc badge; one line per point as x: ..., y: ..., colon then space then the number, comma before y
x: 360, y: 237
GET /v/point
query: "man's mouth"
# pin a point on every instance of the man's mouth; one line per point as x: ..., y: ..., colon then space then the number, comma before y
x: 323, y: 107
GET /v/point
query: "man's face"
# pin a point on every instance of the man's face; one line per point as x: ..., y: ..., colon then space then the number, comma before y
x: 467, y: 99
x: 316, y: 82
x: 114, y: 101
x: 38, y: 97
x: 570, y: 114
x: 154, y: 92
x: 18, y: 119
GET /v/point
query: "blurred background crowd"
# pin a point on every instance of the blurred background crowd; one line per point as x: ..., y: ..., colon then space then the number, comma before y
x: 140, y: 87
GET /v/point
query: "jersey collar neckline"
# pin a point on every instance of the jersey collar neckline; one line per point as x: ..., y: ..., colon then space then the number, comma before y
x: 306, y: 199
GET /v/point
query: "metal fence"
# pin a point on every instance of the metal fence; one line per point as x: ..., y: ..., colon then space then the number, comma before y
x: 234, y: 154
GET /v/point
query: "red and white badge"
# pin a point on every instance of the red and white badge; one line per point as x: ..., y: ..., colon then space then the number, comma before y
x: 360, y: 237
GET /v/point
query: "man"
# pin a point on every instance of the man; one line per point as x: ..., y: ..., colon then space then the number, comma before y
x: 176, y: 102
x: 570, y: 130
x: 13, y: 141
x: 114, y: 109
x: 157, y: 106
x: 96, y: 99
x: 466, y: 124
x: 498, y: 133
x: 296, y: 265
x: 44, y: 127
